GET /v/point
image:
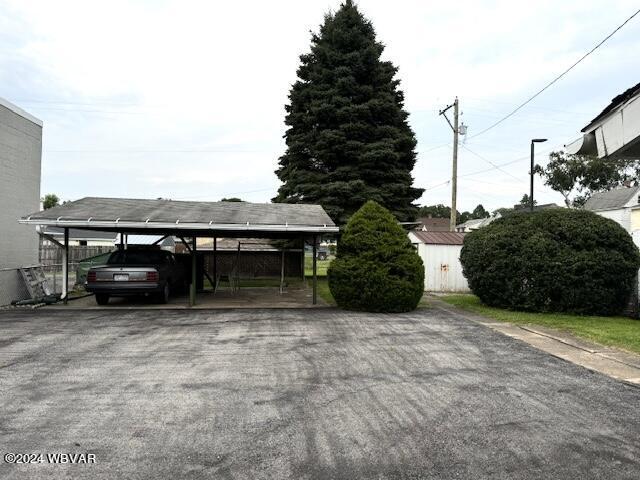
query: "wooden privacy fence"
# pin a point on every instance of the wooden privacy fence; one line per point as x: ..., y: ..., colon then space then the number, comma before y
x: 52, y: 254
x: 255, y: 264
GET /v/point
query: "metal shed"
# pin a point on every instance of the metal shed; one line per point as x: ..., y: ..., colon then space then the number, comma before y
x: 440, y: 253
x: 187, y: 219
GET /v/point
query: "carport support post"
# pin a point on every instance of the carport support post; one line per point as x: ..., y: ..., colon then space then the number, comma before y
x: 315, y: 277
x: 192, y: 289
x: 304, y: 275
x: 65, y: 266
x: 282, y: 273
x: 215, y: 263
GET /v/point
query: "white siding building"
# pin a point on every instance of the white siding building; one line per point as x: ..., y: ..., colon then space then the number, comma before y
x: 615, y: 132
x: 20, y: 156
x: 621, y: 205
x: 440, y: 253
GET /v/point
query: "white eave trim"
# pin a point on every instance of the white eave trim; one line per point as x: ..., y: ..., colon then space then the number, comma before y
x: 585, y: 145
x: 119, y: 224
x: 18, y: 111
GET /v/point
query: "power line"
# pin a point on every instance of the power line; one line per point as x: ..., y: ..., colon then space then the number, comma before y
x: 478, y: 172
x: 157, y: 151
x: 537, y: 107
x: 437, y: 185
x: 556, y: 78
x: 510, y: 162
x: 498, y: 167
x: 226, y: 194
x: 434, y: 148
x: 65, y: 102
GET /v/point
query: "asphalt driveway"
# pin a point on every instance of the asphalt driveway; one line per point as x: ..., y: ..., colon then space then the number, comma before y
x: 302, y: 394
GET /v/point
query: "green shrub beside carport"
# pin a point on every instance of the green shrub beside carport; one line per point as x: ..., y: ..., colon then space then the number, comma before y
x: 558, y: 260
x: 376, y: 269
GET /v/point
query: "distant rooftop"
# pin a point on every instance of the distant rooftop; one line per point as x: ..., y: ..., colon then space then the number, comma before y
x: 471, y: 223
x: 440, y: 238
x: 433, y: 224
x: 611, y: 200
x: 545, y: 206
x: 246, y: 244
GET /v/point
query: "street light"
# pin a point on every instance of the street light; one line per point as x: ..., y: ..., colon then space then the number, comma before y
x: 533, y: 142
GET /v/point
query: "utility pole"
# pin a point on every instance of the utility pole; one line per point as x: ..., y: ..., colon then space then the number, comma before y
x: 454, y: 174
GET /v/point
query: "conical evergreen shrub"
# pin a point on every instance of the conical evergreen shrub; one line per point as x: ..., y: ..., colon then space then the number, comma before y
x: 376, y: 268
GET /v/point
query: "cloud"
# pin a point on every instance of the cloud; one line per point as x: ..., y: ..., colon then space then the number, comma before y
x: 154, y: 96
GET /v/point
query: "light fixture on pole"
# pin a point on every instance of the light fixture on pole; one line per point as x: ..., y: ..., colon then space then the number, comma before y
x: 533, y: 142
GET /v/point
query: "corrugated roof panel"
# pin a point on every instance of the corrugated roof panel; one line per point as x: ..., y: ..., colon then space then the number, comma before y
x: 440, y: 238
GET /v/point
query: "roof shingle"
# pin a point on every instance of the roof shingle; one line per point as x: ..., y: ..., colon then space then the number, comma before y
x: 171, y: 211
x: 611, y: 200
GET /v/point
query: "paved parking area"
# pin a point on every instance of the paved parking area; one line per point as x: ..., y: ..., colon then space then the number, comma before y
x: 272, y: 394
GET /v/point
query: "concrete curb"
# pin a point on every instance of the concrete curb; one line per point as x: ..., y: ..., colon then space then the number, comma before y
x: 615, y: 363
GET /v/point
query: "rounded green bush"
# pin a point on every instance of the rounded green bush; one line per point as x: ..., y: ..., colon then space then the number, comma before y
x: 558, y: 260
x: 376, y: 269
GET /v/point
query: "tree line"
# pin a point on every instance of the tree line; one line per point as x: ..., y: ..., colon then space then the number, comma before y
x: 443, y: 211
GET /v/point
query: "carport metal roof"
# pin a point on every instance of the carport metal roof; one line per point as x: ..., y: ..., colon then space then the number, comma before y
x: 193, y: 219
x: 170, y: 216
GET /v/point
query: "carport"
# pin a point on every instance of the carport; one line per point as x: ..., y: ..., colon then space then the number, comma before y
x: 184, y: 219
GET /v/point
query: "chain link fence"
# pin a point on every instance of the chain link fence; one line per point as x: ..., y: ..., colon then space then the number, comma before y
x: 55, y: 278
x: 12, y: 286
x: 79, y: 255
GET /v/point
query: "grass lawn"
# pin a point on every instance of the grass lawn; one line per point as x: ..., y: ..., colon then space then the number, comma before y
x: 620, y: 332
x: 323, y: 284
x: 323, y: 290
x: 321, y: 266
x: 321, y: 274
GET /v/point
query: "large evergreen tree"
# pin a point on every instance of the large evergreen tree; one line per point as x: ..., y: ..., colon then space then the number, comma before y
x: 348, y: 139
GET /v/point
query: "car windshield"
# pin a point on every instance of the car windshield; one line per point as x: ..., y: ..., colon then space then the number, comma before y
x: 136, y: 257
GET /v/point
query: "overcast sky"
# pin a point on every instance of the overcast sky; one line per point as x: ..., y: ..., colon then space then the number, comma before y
x: 185, y: 99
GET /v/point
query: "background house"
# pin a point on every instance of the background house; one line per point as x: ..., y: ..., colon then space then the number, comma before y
x: 476, y: 223
x: 79, y: 237
x: 545, y: 206
x: 621, y: 205
x: 440, y: 253
x: 164, y: 242
x: 430, y: 224
x: 20, y: 158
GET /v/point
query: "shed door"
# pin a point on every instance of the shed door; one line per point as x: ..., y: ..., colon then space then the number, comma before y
x: 443, y: 271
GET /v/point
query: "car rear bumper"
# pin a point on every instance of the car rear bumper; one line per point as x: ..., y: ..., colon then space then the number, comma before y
x: 124, y: 288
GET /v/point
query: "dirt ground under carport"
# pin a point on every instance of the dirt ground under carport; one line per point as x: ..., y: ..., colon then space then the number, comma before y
x: 317, y: 393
